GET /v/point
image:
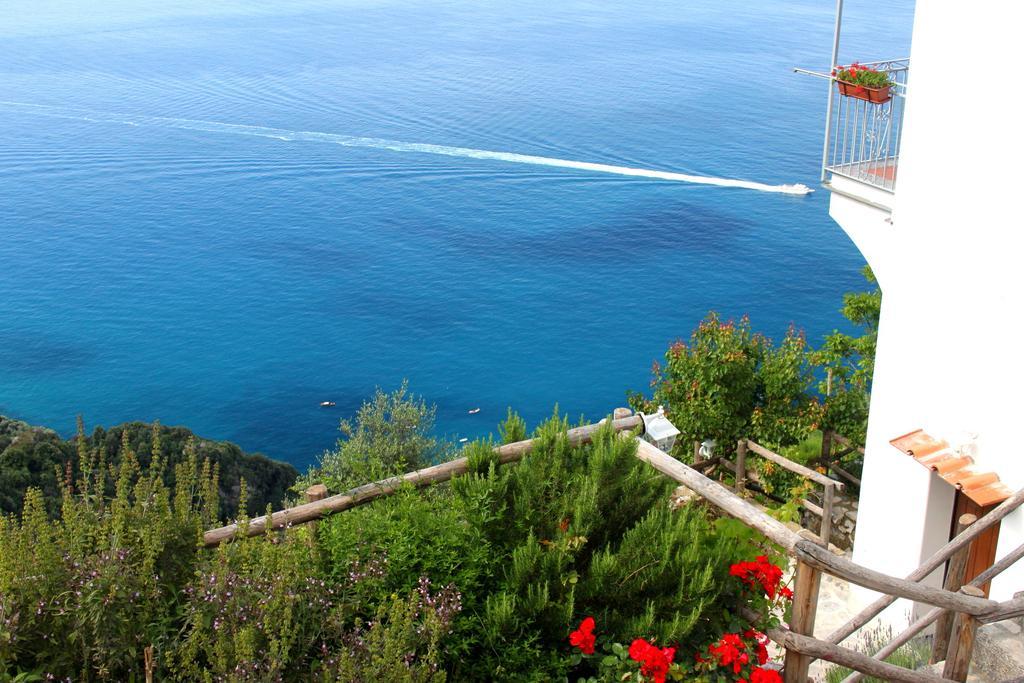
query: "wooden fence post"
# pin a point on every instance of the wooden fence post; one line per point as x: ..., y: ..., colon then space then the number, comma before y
x: 954, y: 580
x: 961, y: 645
x: 826, y: 514
x: 825, y: 459
x: 741, y: 465
x: 696, y: 452
x: 805, y: 606
x: 312, y: 494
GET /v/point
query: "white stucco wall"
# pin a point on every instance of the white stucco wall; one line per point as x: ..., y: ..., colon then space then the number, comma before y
x: 951, y: 275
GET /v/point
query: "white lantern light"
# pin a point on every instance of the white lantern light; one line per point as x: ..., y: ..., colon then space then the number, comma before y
x: 659, y: 431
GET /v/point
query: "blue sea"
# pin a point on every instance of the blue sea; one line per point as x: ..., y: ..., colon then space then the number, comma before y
x: 220, y: 214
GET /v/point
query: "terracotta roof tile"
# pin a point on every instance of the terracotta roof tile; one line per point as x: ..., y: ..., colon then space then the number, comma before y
x: 977, y: 480
x: 950, y: 464
x: 989, y: 495
x: 984, y: 488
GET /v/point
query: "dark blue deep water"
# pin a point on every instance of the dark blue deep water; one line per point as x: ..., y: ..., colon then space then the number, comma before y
x: 230, y: 282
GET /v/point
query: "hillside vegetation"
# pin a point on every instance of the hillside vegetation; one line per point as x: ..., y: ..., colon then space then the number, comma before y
x: 32, y: 456
x: 481, y: 579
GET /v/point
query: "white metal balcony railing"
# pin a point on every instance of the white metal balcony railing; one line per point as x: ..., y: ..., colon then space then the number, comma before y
x: 862, y: 139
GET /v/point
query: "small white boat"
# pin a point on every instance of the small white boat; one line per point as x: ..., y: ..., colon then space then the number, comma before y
x: 463, y: 440
x: 474, y: 411
x: 327, y: 404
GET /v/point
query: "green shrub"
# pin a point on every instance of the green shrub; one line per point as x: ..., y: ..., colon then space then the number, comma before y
x: 392, y: 543
x: 254, y: 611
x: 531, y: 546
x: 729, y: 383
x: 84, y: 594
x: 781, y: 482
x: 402, y: 642
x: 390, y: 434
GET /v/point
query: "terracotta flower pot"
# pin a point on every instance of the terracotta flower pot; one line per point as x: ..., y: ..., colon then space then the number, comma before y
x: 860, y: 92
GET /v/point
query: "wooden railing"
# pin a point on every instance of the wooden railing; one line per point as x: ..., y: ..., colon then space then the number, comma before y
x: 971, y: 608
x: 745, y: 446
x: 831, y: 457
x: 812, y: 557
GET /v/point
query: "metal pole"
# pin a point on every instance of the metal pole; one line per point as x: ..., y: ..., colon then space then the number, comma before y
x: 831, y: 90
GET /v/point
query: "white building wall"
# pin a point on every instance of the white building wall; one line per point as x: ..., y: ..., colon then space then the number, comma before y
x: 951, y: 270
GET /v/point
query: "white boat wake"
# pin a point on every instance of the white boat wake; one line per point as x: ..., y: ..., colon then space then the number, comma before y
x: 398, y: 146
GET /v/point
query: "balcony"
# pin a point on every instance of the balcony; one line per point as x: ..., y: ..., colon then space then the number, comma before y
x: 862, y: 139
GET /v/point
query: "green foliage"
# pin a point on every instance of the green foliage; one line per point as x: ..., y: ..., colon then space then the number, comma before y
x: 391, y: 434
x: 85, y: 593
x: 786, y: 412
x: 410, y: 535
x: 781, y: 482
x: 120, y: 571
x: 520, y: 552
x: 862, y: 75
x: 729, y: 383
x: 29, y: 456
x: 849, y: 363
x: 253, y: 611
x: 401, y: 644
x: 566, y: 531
x: 913, y: 655
x: 269, y: 480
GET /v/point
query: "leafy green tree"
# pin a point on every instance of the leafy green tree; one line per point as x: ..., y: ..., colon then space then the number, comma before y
x: 728, y: 383
x: 786, y: 410
x: 849, y: 363
x: 390, y: 434
x: 29, y: 456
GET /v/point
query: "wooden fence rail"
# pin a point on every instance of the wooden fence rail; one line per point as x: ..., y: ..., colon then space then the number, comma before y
x: 929, y: 565
x: 830, y: 485
x: 925, y: 621
x: 796, y: 468
x: 804, y: 546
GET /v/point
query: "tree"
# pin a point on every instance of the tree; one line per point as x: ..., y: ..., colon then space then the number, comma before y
x: 729, y: 383
x: 849, y: 363
x: 390, y: 434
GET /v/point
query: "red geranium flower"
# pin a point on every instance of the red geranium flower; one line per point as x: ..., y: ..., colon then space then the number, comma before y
x: 760, y: 675
x: 729, y: 651
x: 583, y: 637
x: 762, y: 572
x: 654, y: 662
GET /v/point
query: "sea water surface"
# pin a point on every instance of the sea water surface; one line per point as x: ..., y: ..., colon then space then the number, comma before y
x: 221, y: 214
